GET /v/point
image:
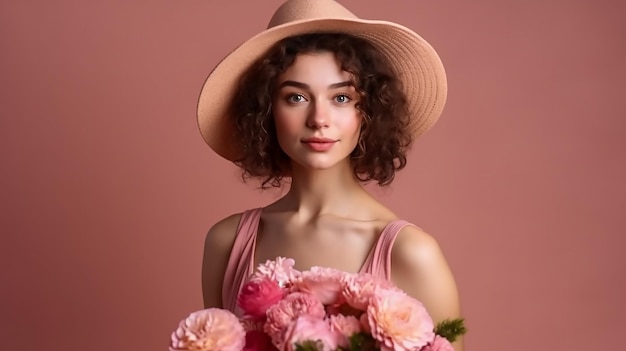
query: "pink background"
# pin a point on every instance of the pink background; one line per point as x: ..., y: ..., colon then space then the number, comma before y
x: 108, y: 189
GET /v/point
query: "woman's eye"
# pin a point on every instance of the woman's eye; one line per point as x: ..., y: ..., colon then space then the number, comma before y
x: 295, y: 98
x: 342, y: 99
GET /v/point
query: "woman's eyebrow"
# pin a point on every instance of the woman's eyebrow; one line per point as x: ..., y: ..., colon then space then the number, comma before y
x: 347, y: 83
x: 301, y: 85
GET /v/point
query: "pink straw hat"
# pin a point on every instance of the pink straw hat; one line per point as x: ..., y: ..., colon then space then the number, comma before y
x: 412, y: 58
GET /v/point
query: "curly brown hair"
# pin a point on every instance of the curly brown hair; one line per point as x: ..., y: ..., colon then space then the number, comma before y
x: 384, y: 138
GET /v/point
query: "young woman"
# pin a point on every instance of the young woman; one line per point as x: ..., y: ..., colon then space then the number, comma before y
x: 319, y: 103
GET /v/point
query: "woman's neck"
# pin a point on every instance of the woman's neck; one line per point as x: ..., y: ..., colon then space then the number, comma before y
x: 330, y: 191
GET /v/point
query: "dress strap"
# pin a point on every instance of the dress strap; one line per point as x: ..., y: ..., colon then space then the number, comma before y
x: 241, y: 257
x: 380, y: 260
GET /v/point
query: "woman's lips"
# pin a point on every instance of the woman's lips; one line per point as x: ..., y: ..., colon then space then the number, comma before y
x: 319, y: 144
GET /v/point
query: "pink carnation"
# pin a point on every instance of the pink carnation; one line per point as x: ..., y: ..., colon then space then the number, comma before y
x: 357, y: 289
x: 346, y: 326
x: 365, y: 323
x: 324, y: 283
x: 211, y: 329
x: 280, y: 315
x: 398, y: 321
x: 309, y: 328
x: 439, y: 344
x: 280, y: 270
x: 250, y: 325
x: 257, y: 295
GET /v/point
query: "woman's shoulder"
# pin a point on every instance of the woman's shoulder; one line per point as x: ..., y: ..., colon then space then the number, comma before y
x: 224, y: 231
x: 415, y: 247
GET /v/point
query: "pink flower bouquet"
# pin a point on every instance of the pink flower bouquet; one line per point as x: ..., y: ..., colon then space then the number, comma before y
x: 321, y: 309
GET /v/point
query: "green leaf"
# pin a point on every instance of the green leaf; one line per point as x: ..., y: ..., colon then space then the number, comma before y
x: 309, y: 345
x: 363, y: 341
x: 451, y: 329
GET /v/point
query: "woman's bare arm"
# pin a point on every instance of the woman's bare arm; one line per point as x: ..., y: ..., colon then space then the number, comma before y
x: 419, y: 267
x: 217, y: 246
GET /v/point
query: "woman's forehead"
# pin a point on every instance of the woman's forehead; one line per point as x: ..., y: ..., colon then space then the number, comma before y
x: 316, y: 69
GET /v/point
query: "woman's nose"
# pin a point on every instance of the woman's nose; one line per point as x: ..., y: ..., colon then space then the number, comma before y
x: 318, y: 116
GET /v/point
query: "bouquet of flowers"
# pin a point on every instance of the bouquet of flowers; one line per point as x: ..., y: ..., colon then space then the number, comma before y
x: 321, y: 309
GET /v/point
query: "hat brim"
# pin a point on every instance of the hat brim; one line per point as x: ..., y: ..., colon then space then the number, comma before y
x: 416, y: 63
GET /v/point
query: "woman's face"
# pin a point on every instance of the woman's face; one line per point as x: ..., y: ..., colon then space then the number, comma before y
x: 317, y: 122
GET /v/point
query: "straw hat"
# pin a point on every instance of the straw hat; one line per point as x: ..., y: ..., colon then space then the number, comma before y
x: 413, y: 59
